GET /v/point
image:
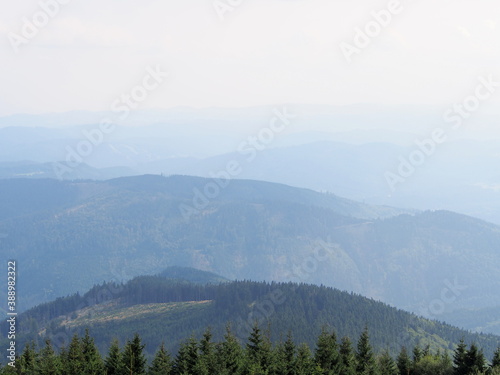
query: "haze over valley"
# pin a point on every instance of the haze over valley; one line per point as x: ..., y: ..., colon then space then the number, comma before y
x: 261, y: 187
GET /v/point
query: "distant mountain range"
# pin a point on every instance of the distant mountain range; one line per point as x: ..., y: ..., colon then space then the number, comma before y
x: 29, y: 169
x: 458, y: 175
x: 70, y: 235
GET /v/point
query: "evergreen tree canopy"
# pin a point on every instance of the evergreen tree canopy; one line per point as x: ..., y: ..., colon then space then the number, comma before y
x: 133, y: 359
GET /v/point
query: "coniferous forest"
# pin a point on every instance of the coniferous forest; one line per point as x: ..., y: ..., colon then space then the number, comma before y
x: 331, y: 356
x: 169, y: 310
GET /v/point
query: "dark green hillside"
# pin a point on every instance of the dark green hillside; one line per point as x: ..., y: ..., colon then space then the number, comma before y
x: 162, y: 309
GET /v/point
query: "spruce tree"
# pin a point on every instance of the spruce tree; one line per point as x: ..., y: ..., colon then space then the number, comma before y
x: 403, y: 362
x: 63, y: 357
x: 258, y: 350
x: 113, y: 362
x: 48, y: 361
x: 74, y: 357
x: 278, y: 365
x: 229, y: 354
x: 162, y: 362
x: 474, y: 360
x: 289, y: 350
x: 445, y: 363
x: 459, y: 359
x: 187, y: 358
x: 29, y: 360
x: 133, y: 360
x: 347, y: 357
x: 417, y: 355
x: 366, y: 364
x: 304, y: 363
x: 92, y: 361
x: 206, y: 363
x: 327, y: 354
x: 386, y: 364
x: 496, y: 359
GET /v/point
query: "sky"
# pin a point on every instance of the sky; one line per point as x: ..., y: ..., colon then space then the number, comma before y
x: 85, y: 55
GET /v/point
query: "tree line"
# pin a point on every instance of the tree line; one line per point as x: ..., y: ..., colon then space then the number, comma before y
x: 301, y: 308
x: 257, y: 356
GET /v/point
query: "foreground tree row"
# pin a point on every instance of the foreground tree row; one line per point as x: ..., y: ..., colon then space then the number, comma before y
x: 257, y: 357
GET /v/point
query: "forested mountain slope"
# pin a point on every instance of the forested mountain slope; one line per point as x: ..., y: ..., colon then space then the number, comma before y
x: 163, y: 309
x: 68, y: 236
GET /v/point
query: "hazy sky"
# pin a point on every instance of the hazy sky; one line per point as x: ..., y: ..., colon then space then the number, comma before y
x: 262, y: 52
